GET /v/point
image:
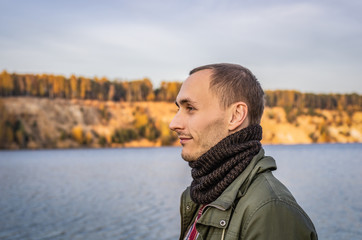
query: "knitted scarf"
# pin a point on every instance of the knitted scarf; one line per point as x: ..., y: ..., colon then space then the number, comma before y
x: 216, y: 169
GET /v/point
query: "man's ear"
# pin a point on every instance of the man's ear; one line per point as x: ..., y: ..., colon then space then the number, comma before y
x: 238, y: 116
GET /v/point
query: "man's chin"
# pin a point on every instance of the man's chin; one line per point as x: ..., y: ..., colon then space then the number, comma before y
x: 188, y: 157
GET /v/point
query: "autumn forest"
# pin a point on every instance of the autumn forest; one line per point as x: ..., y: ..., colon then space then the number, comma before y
x: 53, y: 111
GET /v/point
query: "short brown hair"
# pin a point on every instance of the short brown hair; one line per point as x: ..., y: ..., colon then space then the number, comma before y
x: 234, y: 83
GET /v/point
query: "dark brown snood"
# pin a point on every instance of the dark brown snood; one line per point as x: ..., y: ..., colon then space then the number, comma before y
x: 216, y: 169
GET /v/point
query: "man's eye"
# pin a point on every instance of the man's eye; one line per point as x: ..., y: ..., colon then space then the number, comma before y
x: 190, y: 108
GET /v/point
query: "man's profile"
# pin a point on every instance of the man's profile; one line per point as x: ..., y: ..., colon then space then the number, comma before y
x: 234, y: 194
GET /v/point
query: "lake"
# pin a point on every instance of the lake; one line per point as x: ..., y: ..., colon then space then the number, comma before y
x: 134, y: 193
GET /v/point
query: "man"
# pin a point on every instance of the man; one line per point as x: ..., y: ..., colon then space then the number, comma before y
x: 233, y: 194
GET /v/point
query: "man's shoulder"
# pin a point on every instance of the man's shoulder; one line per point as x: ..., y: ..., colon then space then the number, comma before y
x: 268, y: 184
x: 267, y: 196
x: 268, y: 201
x: 267, y: 188
x: 269, y: 205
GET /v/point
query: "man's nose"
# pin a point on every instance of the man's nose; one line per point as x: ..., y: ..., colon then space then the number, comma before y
x: 176, y: 122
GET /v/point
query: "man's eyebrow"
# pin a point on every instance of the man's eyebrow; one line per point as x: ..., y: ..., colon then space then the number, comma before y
x: 184, y: 101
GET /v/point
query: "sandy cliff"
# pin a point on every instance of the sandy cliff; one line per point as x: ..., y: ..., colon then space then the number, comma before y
x: 27, y: 122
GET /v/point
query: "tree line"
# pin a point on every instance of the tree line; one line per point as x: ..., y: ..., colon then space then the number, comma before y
x: 57, y: 86
x: 295, y: 99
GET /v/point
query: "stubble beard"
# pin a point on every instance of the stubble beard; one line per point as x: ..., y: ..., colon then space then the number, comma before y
x: 211, y: 139
x: 188, y: 157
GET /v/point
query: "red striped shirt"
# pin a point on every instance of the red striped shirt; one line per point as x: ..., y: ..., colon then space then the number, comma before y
x: 193, y: 234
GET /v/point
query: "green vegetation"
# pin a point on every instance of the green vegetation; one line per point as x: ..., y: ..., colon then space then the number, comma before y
x: 124, y: 135
x: 12, y: 131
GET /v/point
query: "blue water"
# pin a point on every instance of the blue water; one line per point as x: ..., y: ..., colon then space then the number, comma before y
x: 134, y: 193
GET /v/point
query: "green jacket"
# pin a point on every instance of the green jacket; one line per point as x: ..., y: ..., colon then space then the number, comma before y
x: 255, y: 206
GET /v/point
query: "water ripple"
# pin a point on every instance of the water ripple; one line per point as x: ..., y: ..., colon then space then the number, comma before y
x: 134, y: 193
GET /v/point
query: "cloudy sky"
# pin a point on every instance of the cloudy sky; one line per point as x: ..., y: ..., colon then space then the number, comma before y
x: 310, y: 46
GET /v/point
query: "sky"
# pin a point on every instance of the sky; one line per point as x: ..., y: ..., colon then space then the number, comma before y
x: 309, y: 46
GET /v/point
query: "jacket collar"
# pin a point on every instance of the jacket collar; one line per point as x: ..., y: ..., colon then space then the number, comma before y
x: 237, y: 189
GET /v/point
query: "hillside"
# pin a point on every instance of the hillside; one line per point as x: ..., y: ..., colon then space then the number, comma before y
x: 30, y: 122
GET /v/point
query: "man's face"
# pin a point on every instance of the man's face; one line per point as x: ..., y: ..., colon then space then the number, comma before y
x: 200, y: 122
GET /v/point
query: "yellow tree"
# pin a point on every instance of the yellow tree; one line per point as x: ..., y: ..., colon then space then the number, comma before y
x: 85, y: 87
x: 147, y: 90
x: 172, y: 90
x: 29, y: 84
x: 42, y: 85
x: 59, y: 82
x: 168, y: 91
x: 6, y: 84
x: 111, y: 92
x: 73, y: 86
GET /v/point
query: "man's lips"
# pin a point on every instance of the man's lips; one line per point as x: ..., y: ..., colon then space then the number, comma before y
x: 184, y: 139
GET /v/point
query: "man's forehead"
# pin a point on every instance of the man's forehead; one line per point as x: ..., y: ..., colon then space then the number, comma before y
x: 195, y: 89
x: 187, y: 95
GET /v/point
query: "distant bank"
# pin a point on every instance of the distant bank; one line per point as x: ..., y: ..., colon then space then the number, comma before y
x: 36, y: 123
